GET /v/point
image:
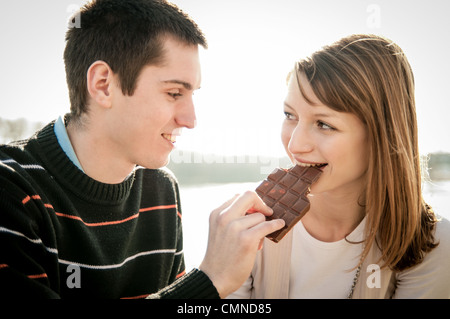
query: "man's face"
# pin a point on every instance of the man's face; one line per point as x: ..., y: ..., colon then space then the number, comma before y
x: 143, y: 127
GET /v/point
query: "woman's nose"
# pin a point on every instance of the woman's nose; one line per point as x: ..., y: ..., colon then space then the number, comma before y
x: 301, y: 140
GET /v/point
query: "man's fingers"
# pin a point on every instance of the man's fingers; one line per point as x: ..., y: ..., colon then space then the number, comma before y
x: 234, y: 237
x: 248, y: 221
x: 219, y: 210
x: 248, y: 202
x: 227, y: 203
x: 261, y: 230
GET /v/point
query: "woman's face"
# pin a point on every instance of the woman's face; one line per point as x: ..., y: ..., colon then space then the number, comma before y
x: 317, y: 135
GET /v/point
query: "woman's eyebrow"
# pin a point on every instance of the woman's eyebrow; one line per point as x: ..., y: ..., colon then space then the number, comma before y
x: 323, y: 115
x: 320, y: 114
x: 287, y: 105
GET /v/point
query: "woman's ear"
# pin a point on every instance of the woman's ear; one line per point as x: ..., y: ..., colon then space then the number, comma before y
x: 99, y: 80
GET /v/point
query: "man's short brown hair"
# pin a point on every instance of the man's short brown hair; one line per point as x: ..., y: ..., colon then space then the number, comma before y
x: 127, y: 35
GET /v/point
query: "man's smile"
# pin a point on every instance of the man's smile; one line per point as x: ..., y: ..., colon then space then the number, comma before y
x: 170, y: 137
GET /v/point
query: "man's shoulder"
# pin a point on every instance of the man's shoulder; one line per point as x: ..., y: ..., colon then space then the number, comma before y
x: 21, y: 149
x: 18, y: 171
x: 15, y: 157
x: 13, y: 149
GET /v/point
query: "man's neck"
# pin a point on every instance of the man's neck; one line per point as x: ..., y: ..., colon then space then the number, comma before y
x: 64, y: 141
x: 97, y: 155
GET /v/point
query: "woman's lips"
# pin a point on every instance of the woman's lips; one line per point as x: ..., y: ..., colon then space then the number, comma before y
x: 310, y: 164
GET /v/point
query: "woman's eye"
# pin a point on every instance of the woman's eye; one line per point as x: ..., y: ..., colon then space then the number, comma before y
x: 325, y: 126
x: 289, y: 116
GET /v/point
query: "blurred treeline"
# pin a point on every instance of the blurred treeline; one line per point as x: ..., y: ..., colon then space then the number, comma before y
x: 219, y: 169
x: 12, y: 130
x: 195, y: 168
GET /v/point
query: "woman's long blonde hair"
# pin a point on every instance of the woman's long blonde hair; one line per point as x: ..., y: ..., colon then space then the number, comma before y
x: 369, y: 76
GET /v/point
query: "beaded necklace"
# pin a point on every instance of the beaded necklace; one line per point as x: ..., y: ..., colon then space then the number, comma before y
x: 355, y: 279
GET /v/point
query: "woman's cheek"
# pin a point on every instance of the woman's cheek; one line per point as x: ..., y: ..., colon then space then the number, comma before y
x: 286, y: 133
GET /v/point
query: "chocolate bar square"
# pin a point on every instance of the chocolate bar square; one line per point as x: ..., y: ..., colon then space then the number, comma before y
x: 285, y: 190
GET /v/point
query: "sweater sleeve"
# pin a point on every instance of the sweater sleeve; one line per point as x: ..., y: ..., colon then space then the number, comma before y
x: 194, y: 285
x: 26, y: 262
x: 28, y: 259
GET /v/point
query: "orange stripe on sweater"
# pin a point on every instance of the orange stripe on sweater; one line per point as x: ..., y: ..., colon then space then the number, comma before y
x: 115, y: 222
x: 44, y: 275
x: 28, y: 198
x: 97, y: 224
x: 136, y: 297
x: 181, y: 274
x: 147, y: 209
x: 157, y: 207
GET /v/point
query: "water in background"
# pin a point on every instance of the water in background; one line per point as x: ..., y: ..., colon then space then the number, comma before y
x: 199, y: 201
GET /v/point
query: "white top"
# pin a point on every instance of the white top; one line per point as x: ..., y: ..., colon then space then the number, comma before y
x: 331, y: 266
x: 301, y: 266
x: 329, y: 271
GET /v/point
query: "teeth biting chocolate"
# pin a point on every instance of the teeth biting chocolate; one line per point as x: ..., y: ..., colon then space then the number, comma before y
x: 285, y: 190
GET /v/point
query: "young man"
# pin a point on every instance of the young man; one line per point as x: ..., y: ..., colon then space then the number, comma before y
x: 85, y: 208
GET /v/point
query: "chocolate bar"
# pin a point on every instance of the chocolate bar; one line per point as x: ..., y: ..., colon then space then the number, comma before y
x: 285, y: 190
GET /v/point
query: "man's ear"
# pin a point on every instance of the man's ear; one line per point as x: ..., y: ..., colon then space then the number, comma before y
x: 99, y: 80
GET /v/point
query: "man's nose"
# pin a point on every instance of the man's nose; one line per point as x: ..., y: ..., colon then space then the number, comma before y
x: 185, y: 116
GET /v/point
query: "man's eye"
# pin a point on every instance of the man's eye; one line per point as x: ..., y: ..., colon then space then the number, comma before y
x: 174, y: 95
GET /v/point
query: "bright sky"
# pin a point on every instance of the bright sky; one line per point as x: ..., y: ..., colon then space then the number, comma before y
x: 252, y: 46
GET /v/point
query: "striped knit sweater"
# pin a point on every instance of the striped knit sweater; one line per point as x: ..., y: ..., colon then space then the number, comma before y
x: 65, y: 235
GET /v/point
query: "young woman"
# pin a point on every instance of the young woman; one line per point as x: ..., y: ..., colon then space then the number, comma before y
x: 368, y: 233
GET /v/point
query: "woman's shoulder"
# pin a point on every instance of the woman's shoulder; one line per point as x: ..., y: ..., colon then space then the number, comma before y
x: 430, y: 278
x: 442, y: 233
x: 440, y: 255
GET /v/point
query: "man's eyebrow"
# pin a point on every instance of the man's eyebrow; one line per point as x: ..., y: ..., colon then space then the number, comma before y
x: 187, y: 86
